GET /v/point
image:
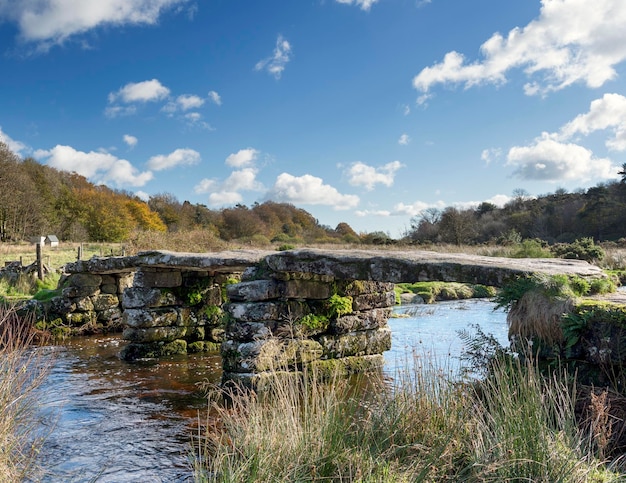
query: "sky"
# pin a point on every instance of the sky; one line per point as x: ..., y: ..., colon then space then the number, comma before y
x: 359, y: 111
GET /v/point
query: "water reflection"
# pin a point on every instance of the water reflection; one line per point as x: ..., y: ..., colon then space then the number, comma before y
x: 113, y: 421
x: 118, y: 422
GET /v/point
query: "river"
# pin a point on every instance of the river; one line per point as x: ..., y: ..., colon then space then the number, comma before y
x: 117, y: 422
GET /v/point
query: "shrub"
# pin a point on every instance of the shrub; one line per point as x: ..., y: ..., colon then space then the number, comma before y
x: 580, y: 249
x: 531, y: 249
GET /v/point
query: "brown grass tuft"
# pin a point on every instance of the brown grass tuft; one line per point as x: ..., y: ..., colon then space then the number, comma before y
x: 538, y: 315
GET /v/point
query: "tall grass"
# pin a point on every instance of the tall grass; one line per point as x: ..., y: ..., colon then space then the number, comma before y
x: 515, y: 425
x: 21, y: 372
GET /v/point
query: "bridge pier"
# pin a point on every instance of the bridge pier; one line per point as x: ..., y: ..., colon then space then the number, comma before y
x: 285, y: 321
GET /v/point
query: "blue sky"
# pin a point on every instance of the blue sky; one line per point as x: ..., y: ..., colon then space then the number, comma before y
x: 363, y: 111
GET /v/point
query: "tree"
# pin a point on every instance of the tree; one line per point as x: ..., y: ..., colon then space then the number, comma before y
x: 622, y: 173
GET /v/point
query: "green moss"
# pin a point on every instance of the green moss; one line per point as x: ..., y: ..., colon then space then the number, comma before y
x: 314, y: 323
x: 338, y: 306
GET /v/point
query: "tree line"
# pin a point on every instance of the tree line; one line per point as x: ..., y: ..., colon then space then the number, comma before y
x: 598, y: 212
x: 37, y: 200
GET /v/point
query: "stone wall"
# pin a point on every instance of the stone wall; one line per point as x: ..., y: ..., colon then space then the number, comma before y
x: 286, y: 321
x: 170, y: 311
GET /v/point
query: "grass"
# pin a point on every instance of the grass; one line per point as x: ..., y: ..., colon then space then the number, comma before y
x: 515, y: 425
x: 20, y: 374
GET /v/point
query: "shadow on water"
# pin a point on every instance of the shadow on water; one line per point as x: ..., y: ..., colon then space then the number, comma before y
x: 117, y: 422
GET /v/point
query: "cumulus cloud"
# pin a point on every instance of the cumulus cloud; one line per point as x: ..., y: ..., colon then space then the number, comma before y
x: 222, y: 198
x: 205, y: 186
x: 98, y: 167
x: 404, y: 139
x: 242, y: 158
x: 548, y: 159
x: 275, y: 63
x: 415, y: 208
x: 607, y: 113
x: 309, y: 190
x: 184, y: 103
x: 146, y: 91
x: 179, y: 157
x: 50, y: 22
x: 215, y: 98
x: 16, y: 147
x: 559, y: 155
x: 570, y: 41
x: 362, y: 4
x: 131, y: 141
x: 243, y: 178
x: 360, y: 174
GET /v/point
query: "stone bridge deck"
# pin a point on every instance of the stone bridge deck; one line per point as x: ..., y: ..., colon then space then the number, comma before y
x: 372, y: 265
x: 267, y: 309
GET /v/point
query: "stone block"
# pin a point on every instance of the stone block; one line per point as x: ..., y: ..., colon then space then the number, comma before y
x: 109, y: 288
x: 270, y: 354
x: 84, y: 304
x: 125, y: 281
x: 374, y: 300
x: 137, y: 297
x: 306, y: 289
x: 108, y: 280
x: 359, y: 287
x: 158, y: 279
x: 253, y: 291
x: 260, y: 311
x: 110, y: 316
x: 147, y: 318
x: 359, y: 343
x: 346, y: 366
x: 84, y: 291
x: 105, y: 301
x: 83, y: 280
x: 154, y: 334
x: 248, y: 331
x: 357, y: 321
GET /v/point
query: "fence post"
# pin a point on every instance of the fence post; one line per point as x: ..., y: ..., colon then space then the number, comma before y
x: 80, y: 252
x: 39, y: 262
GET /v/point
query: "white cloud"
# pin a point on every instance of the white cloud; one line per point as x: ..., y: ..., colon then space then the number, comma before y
x: 548, y: 159
x: 184, y: 103
x: 222, y: 198
x: 194, y: 119
x: 415, y: 208
x: 243, y: 179
x: 50, y: 22
x: 118, y: 111
x: 363, y: 4
x: 16, y: 147
x: 309, y: 190
x: 131, y: 141
x: 490, y: 155
x: 205, y: 186
x: 360, y: 174
x: 609, y: 112
x: 146, y: 91
x: 242, y: 158
x: 275, y: 64
x: 404, y: 139
x: 142, y: 195
x: 215, y: 98
x: 179, y: 157
x: 364, y: 213
x: 571, y: 41
x: 98, y: 167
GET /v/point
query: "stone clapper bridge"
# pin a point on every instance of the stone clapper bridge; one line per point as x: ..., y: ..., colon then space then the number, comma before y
x: 268, y: 310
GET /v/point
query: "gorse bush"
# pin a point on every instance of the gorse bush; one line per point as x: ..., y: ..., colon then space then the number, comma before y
x: 581, y: 249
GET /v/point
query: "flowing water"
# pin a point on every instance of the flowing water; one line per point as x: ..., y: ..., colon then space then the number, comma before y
x: 117, y: 422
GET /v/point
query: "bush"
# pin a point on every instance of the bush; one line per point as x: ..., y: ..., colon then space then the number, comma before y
x: 531, y: 249
x: 581, y: 249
